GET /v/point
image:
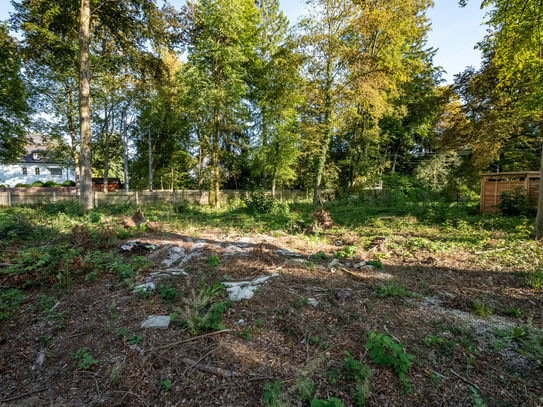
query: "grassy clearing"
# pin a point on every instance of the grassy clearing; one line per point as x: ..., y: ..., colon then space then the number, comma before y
x: 450, y: 309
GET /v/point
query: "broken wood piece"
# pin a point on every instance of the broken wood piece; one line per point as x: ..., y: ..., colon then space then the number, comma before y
x: 211, y: 369
x: 464, y: 379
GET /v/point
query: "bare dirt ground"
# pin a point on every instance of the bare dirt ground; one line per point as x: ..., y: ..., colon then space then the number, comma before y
x: 297, y: 324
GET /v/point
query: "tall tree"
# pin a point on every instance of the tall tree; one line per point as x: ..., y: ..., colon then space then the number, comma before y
x: 62, y: 32
x: 516, y: 41
x: 224, y: 34
x: 356, y: 61
x: 14, y: 94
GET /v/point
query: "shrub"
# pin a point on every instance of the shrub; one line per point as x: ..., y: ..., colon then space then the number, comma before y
x: 68, y: 183
x: 260, y: 202
x: 515, y: 203
x: 19, y: 185
x: 37, y: 184
x: 50, y: 184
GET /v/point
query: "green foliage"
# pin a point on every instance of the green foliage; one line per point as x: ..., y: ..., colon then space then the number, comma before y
x: 361, y: 374
x: 478, y: 307
x: 135, y: 339
x: 512, y: 312
x: 122, y: 331
x: 272, y: 392
x: 476, y: 397
x: 213, y: 261
x: 86, y: 361
x: 306, y: 388
x: 320, y: 256
x: 515, y: 203
x: 200, y: 313
x: 168, y: 293
x: 165, y: 385
x: 10, y: 299
x: 393, y: 289
x: 378, y: 264
x: 37, y: 184
x: 535, y: 280
x: 332, y: 402
x: 259, y: 201
x: 50, y: 184
x: 385, y: 352
x: 347, y: 251
x: 68, y: 183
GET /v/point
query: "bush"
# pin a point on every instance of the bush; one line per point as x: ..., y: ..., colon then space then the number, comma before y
x: 515, y: 203
x: 19, y: 185
x: 50, y: 184
x: 68, y: 183
x: 37, y: 184
x: 260, y: 202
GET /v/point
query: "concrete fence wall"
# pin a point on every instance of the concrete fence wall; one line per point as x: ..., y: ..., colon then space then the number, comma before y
x: 9, y: 198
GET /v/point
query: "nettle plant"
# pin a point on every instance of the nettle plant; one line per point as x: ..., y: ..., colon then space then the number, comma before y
x: 385, y: 352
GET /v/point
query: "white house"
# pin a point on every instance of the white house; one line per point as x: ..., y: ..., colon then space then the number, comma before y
x: 35, y: 165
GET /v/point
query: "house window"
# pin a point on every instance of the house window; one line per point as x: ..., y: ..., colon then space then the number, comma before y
x: 25, y: 171
x: 37, y: 171
x: 55, y: 171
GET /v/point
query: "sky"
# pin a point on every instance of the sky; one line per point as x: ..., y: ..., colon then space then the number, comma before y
x: 455, y: 31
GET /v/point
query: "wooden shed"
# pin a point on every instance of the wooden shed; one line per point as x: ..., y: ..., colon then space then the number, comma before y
x: 113, y: 184
x: 492, y: 186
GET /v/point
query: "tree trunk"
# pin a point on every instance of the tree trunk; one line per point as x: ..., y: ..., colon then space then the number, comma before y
x: 327, y: 133
x: 215, y: 180
x: 106, y: 153
x: 85, y: 158
x: 71, y: 129
x: 539, y: 218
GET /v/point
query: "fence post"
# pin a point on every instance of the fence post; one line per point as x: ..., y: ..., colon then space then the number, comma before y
x: 137, y: 199
x: 9, y: 198
x: 281, y: 195
x: 174, y: 196
x: 54, y: 197
x: 95, y: 199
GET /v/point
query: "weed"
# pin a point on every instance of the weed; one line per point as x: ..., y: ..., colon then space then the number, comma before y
x: 134, y: 339
x: 44, y: 340
x: 272, y: 393
x: 320, y: 256
x: 116, y: 371
x: 168, y: 293
x: 306, y: 388
x: 535, y: 280
x: 200, y: 314
x: 361, y: 374
x: 213, y: 261
x: 122, y: 332
x: 479, y: 308
x: 385, y: 352
x: 346, y: 252
x: 86, y: 361
x: 332, y: 402
x: 165, y: 385
x: 378, y: 264
x: 436, y: 379
x: 512, y: 312
x: 393, y: 289
x: 10, y: 299
x: 476, y: 397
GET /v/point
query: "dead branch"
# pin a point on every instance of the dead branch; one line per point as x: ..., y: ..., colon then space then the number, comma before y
x: 464, y: 379
x: 210, y: 369
x: 170, y: 345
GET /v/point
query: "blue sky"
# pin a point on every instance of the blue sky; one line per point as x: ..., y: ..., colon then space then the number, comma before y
x: 455, y: 31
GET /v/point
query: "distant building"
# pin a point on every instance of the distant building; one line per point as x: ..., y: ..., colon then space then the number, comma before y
x: 35, y: 165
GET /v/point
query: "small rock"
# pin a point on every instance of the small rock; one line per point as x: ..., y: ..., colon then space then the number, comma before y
x: 174, y: 254
x: 312, y: 301
x: 176, y: 270
x: 198, y: 246
x: 333, y: 263
x: 356, y: 266
x: 338, y: 243
x: 157, y: 322
x: 147, y: 287
x: 343, y: 295
x: 286, y: 252
x: 366, y: 266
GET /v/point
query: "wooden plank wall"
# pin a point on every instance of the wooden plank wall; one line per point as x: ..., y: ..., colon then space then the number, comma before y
x: 492, y: 189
